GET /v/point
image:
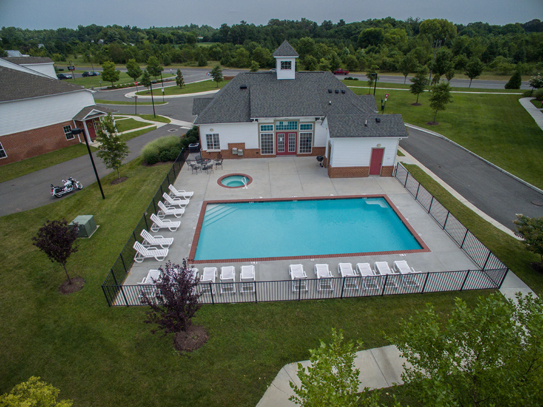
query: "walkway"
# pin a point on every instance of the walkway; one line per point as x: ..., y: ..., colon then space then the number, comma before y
x: 536, y: 113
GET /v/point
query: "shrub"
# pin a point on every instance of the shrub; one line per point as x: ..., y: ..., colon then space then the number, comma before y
x: 161, y: 149
x: 514, y: 82
x: 539, y: 94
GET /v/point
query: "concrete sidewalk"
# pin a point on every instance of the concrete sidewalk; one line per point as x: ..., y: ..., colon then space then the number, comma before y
x: 534, y: 111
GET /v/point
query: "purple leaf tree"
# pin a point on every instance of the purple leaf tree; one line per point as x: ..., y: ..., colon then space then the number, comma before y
x: 57, y: 240
x: 175, y: 300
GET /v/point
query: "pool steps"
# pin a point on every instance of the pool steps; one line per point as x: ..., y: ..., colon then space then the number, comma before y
x: 216, y: 213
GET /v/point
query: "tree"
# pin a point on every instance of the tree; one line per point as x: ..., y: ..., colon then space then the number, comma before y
x: 109, y: 73
x: 531, y: 232
x: 515, y: 81
x: 113, y: 150
x: 449, y: 75
x: 146, y: 81
x: 216, y: 74
x: 474, y: 68
x: 440, y: 96
x: 153, y: 67
x: 133, y: 70
x: 177, y: 303
x: 485, y: 356
x: 536, y: 81
x: 332, y: 379
x: 372, y: 76
x: 57, y: 241
x: 407, y: 65
x: 179, y: 79
x: 371, y: 36
x: 420, y: 81
x: 443, y: 62
x: 202, y: 61
x: 438, y: 29
x: 33, y: 393
x: 254, y: 66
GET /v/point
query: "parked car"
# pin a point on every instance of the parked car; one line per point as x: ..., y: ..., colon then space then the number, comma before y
x: 64, y: 76
x: 273, y: 70
x: 341, y: 72
x: 90, y: 73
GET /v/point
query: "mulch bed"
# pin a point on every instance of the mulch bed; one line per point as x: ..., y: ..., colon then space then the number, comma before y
x: 156, y: 164
x: 416, y: 104
x: 432, y: 123
x: 118, y: 180
x: 537, y: 267
x: 194, y: 338
x: 67, y: 288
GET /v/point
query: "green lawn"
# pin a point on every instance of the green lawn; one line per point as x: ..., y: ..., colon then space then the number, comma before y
x: 20, y: 168
x: 157, y: 118
x: 385, y: 85
x: 496, y: 127
x: 99, y: 356
x: 128, y: 102
x: 97, y: 81
x: 190, y: 88
x: 536, y: 103
x: 128, y: 124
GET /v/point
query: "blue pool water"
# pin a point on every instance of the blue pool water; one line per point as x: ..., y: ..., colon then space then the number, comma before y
x: 301, y: 228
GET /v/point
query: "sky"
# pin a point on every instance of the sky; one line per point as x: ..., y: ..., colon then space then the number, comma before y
x: 40, y: 14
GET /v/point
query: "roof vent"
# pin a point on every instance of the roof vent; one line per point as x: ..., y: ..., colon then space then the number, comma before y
x: 337, y: 90
x: 330, y: 102
x: 243, y: 86
x: 378, y: 120
x: 329, y: 90
x: 343, y: 91
x: 366, y: 123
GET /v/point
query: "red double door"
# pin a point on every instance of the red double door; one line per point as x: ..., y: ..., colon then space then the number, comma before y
x: 286, y: 143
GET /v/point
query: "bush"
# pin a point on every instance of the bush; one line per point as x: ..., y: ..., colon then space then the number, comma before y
x: 162, y: 149
x: 514, y: 82
x: 539, y: 94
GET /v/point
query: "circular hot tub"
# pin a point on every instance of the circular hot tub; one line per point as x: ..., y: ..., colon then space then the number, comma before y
x: 234, y: 180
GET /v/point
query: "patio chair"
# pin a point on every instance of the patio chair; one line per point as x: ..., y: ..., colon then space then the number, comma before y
x: 247, y: 279
x: 194, y: 167
x: 169, y: 201
x: 228, y: 279
x: 408, y: 277
x: 218, y: 162
x: 166, y: 211
x: 157, y: 240
x: 297, y: 274
x: 143, y: 253
x: 350, y: 277
x: 179, y: 193
x: 371, y: 281
x: 164, y: 224
x: 153, y: 277
x: 324, y: 277
x: 382, y: 268
x: 208, y: 168
x: 208, y: 280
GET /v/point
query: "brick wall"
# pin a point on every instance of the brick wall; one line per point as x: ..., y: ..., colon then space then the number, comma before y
x: 31, y: 143
x: 387, y: 171
x: 348, y: 172
x: 253, y: 152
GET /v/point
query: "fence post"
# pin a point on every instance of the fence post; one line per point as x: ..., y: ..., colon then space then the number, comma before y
x: 431, y: 202
x: 211, y: 291
x: 256, y: 300
x: 114, y: 278
x: 487, y: 258
x: 173, y: 168
x: 122, y: 260
x: 145, y: 219
x: 503, y: 279
x: 107, y: 298
x: 463, y: 240
x: 424, y: 285
x: 464, y: 282
x: 446, y: 219
x: 154, y: 204
x: 406, y: 176
x: 384, y: 285
x: 124, y: 296
x: 342, y: 288
x: 299, y: 289
x: 417, y: 194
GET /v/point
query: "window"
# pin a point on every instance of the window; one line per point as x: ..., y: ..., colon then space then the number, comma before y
x: 266, y: 127
x: 68, y: 132
x: 213, y: 142
x: 2, y: 151
x: 266, y: 143
x: 306, y: 141
x: 286, y: 65
x: 286, y: 126
x: 306, y: 126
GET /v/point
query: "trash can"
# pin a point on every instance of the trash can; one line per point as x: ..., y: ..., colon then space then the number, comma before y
x: 194, y: 147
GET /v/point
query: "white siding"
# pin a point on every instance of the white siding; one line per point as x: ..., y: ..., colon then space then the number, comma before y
x: 22, y: 115
x: 231, y: 133
x: 286, y: 73
x: 321, y: 134
x: 47, y: 69
x: 356, y: 152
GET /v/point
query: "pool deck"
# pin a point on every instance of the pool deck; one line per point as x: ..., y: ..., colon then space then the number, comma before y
x: 288, y: 177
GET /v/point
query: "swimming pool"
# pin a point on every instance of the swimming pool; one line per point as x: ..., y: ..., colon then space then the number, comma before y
x: 279, y: 229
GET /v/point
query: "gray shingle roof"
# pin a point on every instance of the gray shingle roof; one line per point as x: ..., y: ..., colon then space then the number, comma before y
x: 17, y: 85
x: 285, y: 50
x: 199, y: 104
x: 351, y: 125
x: 29, y: 60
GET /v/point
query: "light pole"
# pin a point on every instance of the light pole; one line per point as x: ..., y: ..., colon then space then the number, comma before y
x: 136, y: 103
x: 79, y: 131
x: 374, y: 74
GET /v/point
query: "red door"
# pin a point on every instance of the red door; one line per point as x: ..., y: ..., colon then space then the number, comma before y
x: 90, y: 128
x: 376, y: 160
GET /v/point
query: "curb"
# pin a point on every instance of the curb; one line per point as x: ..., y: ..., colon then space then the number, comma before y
x: 475, y: 155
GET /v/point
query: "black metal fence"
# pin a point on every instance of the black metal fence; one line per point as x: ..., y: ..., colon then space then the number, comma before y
x: 117, y: 274
x: 461, y: 235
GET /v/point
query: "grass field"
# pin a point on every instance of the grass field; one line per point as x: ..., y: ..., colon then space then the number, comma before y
x: 496, y: 127
x: 97, y: 81
x: 190, y: 88
x: 384, y: 85
x: 537, y: 103
x: 99, y: 356
x: 128, y: 124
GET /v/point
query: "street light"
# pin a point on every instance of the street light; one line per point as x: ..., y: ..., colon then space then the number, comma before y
x: 374, y: 74
x: 136, y: 103
x: 79, y: 131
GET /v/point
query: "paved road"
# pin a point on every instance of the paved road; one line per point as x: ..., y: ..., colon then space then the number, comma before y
x: 33, y: 190
x: 495, y: 193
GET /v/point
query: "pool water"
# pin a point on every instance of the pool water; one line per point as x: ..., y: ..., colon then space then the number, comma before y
x: 273, y: 229
x: 235, y: 181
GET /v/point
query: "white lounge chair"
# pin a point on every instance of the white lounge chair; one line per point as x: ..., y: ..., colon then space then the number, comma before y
x: 247, y: 279
x: 164, y: 224
x: 179, y: 193
x: 370, y: 279
x: 209, y: 276
x: 324, y: 276
x: 382, y: 268
x: 408, y: 277
x: 169, y: 201
x: 166, y: 211
x: 228, y: 278
x: 349, y: 275
x: 297, y: 274
x: 153, y: 277
x: 143, y: 253
x: 157, y: 240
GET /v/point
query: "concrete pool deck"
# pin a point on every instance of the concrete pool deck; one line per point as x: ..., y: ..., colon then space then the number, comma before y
x: 287, y: 177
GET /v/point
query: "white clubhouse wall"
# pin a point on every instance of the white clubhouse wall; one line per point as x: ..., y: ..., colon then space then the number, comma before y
x: 231, y: 133
x: 356, y: 152
x: 28, y: 114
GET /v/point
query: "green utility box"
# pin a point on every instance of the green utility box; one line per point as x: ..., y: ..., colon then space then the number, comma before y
x: 86, y: 225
